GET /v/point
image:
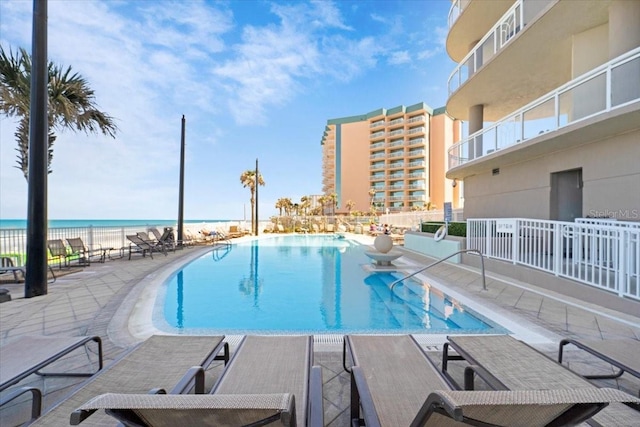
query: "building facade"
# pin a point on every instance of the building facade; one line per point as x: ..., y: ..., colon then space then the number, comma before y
x: 549, y: 91
x: 393, y: 160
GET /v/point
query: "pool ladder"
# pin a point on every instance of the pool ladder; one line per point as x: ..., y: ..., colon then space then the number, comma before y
x: 464, y: 251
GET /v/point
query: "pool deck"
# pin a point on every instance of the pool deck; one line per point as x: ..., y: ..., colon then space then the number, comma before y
x: 111, y: 300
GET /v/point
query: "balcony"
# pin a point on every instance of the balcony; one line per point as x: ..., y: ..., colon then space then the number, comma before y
x: 377, y: 124
x: 396, y: 175
x: 396, y: 132
x: 508, y: 26
x: 416, y: 119
x: 416, y: 141
x: 595, y: 96
x: 415, y: 130
x: 377, y: 166
x: 395, y: 154
x: 396, y: 165
x: 396, y: 143
x: 417, y: 175
x: 380, y: 155
x: 508, y: 68
x: 415, y: 164
x: 376, y: 145
x: 376, y: 135
x: 396, y: 122
x: 416, y: 153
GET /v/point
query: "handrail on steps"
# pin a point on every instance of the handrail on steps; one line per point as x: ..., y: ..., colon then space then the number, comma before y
x: 474, y: 251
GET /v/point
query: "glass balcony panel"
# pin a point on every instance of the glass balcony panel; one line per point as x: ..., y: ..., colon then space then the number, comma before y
x: 539, y: 119
x: 624, y: 82
x: 532, y: 8
x: 584, y: 99
x: 485, y: 52
x: 509, y: 132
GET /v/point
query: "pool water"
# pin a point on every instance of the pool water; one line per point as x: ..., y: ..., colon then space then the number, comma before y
x: 305, y: 284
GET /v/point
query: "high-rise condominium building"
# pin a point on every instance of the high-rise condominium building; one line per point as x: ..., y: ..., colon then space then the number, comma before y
x: 394, y: 160
x: 550, y: 95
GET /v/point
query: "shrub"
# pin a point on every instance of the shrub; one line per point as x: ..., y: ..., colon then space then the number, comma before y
x: 455, y: 228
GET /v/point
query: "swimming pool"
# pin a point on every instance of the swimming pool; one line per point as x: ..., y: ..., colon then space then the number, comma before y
x: 304, y: 284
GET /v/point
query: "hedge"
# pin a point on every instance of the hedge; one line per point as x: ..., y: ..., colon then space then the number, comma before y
x: 455, y: 228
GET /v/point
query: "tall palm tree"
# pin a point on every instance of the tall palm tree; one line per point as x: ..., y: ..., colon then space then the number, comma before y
x: 248, y: 179
x: 280, y: 205
x: 305, y: 204
x: 71, y: 103
x: 350, y: 205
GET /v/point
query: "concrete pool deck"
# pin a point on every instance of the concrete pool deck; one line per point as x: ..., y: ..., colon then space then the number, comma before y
x: 108, y: 300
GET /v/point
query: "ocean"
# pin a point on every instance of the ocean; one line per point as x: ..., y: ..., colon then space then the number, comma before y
x: 83, y: 223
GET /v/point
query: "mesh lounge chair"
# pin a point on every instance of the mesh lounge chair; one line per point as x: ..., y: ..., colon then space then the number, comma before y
x: 506, y: 363
x: 7, y: 266
x: 156, y: 244
x: 621, y: 353
x: 58, y: 252
x: 160, y: 361
x: 166, y: 238
x: 267, y: 379
x: 83, y: 252
x: 140, y: 246
x: 394, y: 383
x: 28, y: 355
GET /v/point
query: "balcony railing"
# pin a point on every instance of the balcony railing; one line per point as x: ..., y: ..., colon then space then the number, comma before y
x: 519, y: 15
x: 396, y: 154
x: 416, y: 141
x: 601, y: 90
x: 376, y: 145
x: 411, y: 131
x: 376, y: 134
x: 396, y: 143
x: 456, y: 9
x: 396, y: 121
x: 377, y: 124
x: 416, y: 119
x: 396, y: 132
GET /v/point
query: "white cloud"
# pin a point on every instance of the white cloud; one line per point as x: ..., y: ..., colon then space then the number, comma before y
x: 399, y: 58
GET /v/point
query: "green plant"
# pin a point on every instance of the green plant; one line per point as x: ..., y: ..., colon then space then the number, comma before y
x: 455, y: 228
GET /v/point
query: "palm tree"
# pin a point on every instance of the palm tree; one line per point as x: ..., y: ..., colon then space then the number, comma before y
x: 71, y: 103
x: 248, y: 179
x: 305, y: 204
x: 280, y: 205
x: 350, y: 205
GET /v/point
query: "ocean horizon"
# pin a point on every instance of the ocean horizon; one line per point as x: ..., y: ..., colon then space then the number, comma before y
x: 83, y: 223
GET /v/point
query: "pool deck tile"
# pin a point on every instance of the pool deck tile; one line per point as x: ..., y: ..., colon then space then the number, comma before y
x: 99, y: 300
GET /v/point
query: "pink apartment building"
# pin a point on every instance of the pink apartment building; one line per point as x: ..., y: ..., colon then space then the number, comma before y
x: 394, y: 159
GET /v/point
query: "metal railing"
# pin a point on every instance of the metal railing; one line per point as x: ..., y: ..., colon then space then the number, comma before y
x: 433, y: 264
x: 608, y: 87
x: 602, y: 255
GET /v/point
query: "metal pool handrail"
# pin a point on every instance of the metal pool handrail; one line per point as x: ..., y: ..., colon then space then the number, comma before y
x: 475, y: 251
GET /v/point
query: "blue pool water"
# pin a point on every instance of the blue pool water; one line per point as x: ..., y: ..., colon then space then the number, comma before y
x: 305, y: 283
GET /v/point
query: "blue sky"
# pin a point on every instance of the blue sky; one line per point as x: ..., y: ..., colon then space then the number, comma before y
x: 254, y: 79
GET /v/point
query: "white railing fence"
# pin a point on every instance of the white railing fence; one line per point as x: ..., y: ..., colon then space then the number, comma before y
x: 415, y: 218
x: 600, y: 253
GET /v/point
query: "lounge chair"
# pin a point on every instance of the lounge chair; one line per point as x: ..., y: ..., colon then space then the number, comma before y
x: 165, y: 237
x: 394, y: 383
x: 236, y: 231
x: 268, y: 378
x: 58, y: 251
x: 140, y: 246
x: 7, y: 266
x: 160, y: 361
x: 156, y: 244
x: 621, y: 353
x: 84, y: 253
x: 506, y: 363
x: 28, y: 355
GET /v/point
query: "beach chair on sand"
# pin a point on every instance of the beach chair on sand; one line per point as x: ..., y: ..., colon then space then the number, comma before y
x: 394, y: 383
x: 158, y: 362
x: 269, y: 379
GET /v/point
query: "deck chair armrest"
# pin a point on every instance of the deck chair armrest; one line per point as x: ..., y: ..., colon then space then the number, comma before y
x: 360, y: 390
x: 316, y: 408
x: 36, y: 396
x: 469, y: 378
x: 547, y: 407
x: 181, y: 409
x: 193, y: 377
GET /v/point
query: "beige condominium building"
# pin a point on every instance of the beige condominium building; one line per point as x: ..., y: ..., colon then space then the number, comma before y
x: 549, y: 93
x: 392, y: 159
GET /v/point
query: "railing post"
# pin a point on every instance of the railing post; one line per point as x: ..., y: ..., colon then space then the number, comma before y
x: 90, y: 236
x: 624, y: 248
x: 557, y: 248
x: 515, y: 243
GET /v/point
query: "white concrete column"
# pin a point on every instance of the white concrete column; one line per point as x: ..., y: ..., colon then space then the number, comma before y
x: 476, y: 119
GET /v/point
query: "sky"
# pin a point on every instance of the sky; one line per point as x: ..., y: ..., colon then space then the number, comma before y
x: 254, y: 80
